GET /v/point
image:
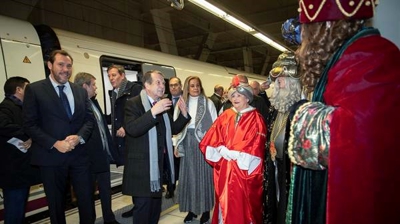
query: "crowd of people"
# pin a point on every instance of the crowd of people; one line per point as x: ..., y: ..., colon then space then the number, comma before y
x: 319, y: 149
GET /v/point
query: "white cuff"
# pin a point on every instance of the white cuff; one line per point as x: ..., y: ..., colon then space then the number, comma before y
x: 248, y: 162
x: 212, y: 154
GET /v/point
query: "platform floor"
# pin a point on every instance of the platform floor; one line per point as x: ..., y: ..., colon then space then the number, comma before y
x: 122, y: 203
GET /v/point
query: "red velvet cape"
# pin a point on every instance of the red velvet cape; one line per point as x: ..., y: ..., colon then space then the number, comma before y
x: 363, y: 177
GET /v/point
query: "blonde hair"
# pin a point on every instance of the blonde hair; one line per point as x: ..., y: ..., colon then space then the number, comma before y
x: 186, y: 87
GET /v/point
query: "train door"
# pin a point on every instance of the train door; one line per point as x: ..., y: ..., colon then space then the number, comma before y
x: 133, y: 71
x: 21, y: 54
x: 3, y: 76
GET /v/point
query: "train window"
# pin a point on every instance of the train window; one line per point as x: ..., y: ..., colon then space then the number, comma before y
x: 132, y: 69
x: 168, y: 71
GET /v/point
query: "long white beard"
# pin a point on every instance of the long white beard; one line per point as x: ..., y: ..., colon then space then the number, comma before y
x: 283, y: 98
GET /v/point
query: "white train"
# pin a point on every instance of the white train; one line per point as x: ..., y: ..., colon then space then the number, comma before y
x: 23, y: 51
x: 22, y: 47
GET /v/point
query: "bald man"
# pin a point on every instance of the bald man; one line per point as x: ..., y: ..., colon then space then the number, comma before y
x: 216, y: 98
x: 259, y: 91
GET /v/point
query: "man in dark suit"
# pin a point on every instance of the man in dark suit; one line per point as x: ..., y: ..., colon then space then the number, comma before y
x: 259, y: 90
x: 59, y: 119
x: 149, y: 132
x: 175, y: 90
x: 16, y: 173
x: 216, y: 98
x: 100, y: 148
x: 122, y: 91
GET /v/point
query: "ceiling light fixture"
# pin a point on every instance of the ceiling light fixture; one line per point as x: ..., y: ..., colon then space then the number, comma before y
x: 236, y: 22
x: 177, y: 4
x: 267, y: 40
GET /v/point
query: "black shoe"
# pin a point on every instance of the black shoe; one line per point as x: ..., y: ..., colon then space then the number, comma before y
x: 205, y: 218
x: 169, y: 194
x: 112, y: 222
x: 189, y: 217
x: 127, y: 214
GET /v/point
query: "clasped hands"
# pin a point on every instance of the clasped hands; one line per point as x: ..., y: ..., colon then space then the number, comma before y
x: 227, y: 153
x: 68, y: 144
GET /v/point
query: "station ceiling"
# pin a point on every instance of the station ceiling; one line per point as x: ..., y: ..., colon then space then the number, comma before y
x: 191, y: 32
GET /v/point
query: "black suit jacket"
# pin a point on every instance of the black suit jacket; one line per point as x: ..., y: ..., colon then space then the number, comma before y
x: 15, y: 168
x: 99, y: 158
x: 136, y: 181
x: 217, y: 101
x: 171, y: 110
x: 264, y: 96
x: 46, y: 121
x: 131, y: 89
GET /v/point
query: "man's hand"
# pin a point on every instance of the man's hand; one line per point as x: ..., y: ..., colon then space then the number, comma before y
x: 121, y: 132
x: 73, y: 140
x: 161, y: 106
x: 27, y: 144
x: 265, y: 85
x: 64, y: 146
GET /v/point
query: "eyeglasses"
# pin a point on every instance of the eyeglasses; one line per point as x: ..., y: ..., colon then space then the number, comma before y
x: 173, y: 85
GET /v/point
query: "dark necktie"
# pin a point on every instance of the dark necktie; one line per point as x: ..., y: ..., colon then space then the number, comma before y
x: 64, y: 101
x: 174, y: 99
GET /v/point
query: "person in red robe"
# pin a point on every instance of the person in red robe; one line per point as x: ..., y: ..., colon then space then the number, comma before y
x: 345, y: 141
x: 235, y: 147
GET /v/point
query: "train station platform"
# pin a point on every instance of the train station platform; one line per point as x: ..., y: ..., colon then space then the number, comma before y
x: 121, y: 203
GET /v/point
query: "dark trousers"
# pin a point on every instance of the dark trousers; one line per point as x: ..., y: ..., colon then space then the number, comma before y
x: 55, y: 182
x: 177, y: 162
x: 14, y: 205
x: 147, y: 210
x: 104, y: 184
x: 167, y: 179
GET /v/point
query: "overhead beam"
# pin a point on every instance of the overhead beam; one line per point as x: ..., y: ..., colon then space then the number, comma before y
x: 163, y: 26
x: 206, y: 46
x: 186, y: 17
x: 247, y: 59
x: 265, y: 65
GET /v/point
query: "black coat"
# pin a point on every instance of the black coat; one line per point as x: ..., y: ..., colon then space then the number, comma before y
x: 217, y: 101
x: 136, y: 180
x: 264, y: 96
x: 99, y: 158
x: 15, y: 168
x: 171, y: 110
x: 131, y: 89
